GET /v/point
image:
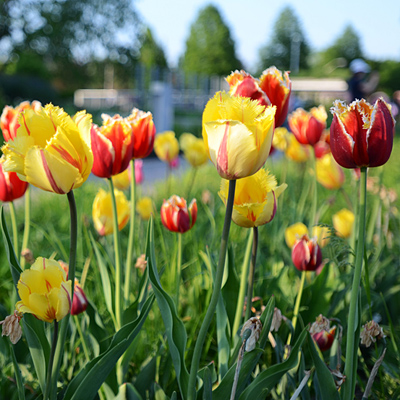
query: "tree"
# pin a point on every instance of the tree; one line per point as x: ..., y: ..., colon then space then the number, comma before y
x: 151, y: 53
x: 287, y: 48
x: 210, y: 49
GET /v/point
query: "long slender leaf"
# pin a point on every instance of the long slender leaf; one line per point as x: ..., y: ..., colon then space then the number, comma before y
x: 175, y: 330
x: 86, y: 384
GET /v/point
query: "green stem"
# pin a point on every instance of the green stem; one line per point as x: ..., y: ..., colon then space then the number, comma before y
x: 251, y: 273
x: 242, y: 288
x: 191, y: 183
x: 297, y: 305
x: 51, y: 360
x: 178, y: 269
x: 352, y: 337
x: 315, y: 193
x: 80, y: 333
x: 18, y: 376
x: 59, y: 353
x: 131, y: 239
x: 117, y: 252
x: 27, y: 225
x: 215, y: 294
x: 14, y: 227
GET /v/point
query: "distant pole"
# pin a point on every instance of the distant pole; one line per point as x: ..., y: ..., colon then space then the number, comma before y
x: 295, y: 53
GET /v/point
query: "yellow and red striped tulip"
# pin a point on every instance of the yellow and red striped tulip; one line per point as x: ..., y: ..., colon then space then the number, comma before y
x: 166, y: 146
x: 237, y: 132
x: 176, y: 216
x: 44, y: 291
x: 307, y: 127
x: 112, y: 146
x: 143, y: 131
x: 343, y: 222
x: 329, y: 173
x: 361, y: 134
x: 194, y: 149
x: 255, y: 199
x: 102, y: 211
x: 9, y: 118
x: 51, y: 150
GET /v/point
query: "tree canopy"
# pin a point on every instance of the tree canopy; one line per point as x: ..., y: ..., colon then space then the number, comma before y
x: 151, y: 53
x: 210, y: 49
x: 287, y: 47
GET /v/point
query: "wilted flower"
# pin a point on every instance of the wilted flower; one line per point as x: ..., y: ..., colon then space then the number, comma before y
x: 343, y: 222
x: 276, y: 320
x: 145, y: 208
x: 308, y: 126
x: 141, y: 263
x: 322, y: 333
x: 44, y: 291
x: 255, y: 326
x: 166, y: 146
x: 102, y: 211
x: 370, y: 332
x: 51, y: 150
x: 361, y: 134
x: 238, y: 134
x: 176, y: 216
x: 12, y: 327
x: 194, y: 149
x: 28, y: 255
x: 255, y: 199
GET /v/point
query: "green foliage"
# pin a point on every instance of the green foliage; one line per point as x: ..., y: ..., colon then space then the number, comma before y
x: 151, y: 53
x: 389, y: 76
x: 287, y: 41
x: 210, y: 49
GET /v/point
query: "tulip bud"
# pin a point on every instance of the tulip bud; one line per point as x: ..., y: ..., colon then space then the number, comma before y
x: 80, y: 302
x: 306, y: 254
x: 176, y: 216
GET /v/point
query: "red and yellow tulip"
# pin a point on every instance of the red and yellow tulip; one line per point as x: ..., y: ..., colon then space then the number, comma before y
x: 237, y: 132
x: 51, y: 150
x: 11, y: 187
x: 176, y: 216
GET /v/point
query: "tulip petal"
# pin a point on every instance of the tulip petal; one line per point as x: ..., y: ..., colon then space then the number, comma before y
x: 341, y: 144
x: 49, y: 172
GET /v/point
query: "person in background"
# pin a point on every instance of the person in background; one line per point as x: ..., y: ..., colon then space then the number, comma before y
x: 362, y: 83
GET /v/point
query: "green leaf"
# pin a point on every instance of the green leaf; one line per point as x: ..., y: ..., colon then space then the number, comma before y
x: 105, y: 279
x: 146, y: 377
x: 34, y: 329
x: 128, y: 392
x: 325, y: 378
x: 175, y: 330
x: 266, y: 380
x: 86, y: 384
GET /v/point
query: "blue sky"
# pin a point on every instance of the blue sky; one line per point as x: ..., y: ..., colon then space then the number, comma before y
x: 251, y: 23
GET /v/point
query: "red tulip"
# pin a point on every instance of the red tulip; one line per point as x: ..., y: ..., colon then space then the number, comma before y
x: 11, y: 187
x: 307, y: 127
x: 80, y: 302
x: 176, y: 216
x: 143, y: 131
x: 271, y: 89
x: 322, y: 333
x: 306, y: 254
x: 361, y: 134
x: 112, y: 146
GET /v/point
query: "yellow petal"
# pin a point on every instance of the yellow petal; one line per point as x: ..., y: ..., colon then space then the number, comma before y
x: 295, y: 232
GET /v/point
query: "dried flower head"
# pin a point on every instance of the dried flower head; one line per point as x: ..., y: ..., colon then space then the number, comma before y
x: 141, y: 263
x: 11, y: 327
x: 255, y: 326
x: 370, y: 332
x: 28, y: 255
x: 321, y: 324
x: 276, y: 320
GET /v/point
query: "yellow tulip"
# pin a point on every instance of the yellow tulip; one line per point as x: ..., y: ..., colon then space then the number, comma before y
x: 237, y: 132
x: 296, y: 151
x: 102, y: 211
x: 122, y: 181
x: 44, y: 291
x: 145, y: 208
x: 51, y: 150
x: 329, y: 173
x: 166, y: 146
x: 295, y: 232
x: 255, y: 199
x: 280, y: 139
x: 343, y: 222
x: 322, y: 234
x: 194, y: 149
